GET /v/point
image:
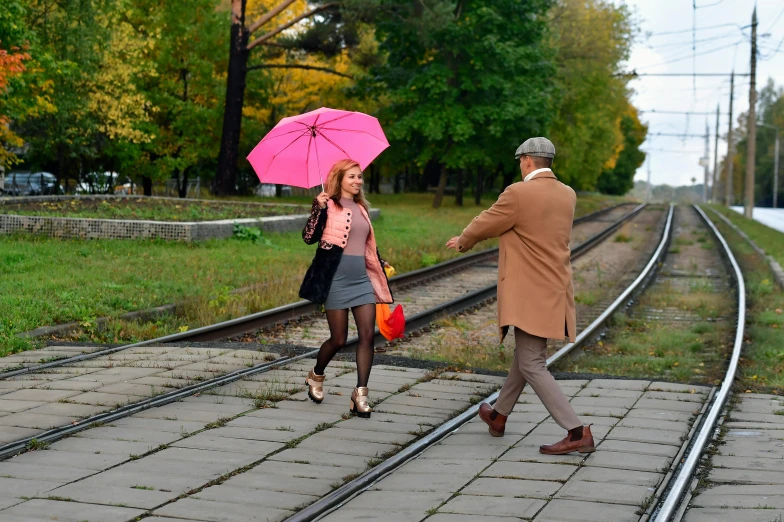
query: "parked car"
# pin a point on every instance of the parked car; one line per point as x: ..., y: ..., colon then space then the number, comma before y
x: 30, y: 184
x: 105, y: 183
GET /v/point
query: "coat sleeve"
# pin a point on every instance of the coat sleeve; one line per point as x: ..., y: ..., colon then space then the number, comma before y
x: 491, y: 223
x: 314, y: 228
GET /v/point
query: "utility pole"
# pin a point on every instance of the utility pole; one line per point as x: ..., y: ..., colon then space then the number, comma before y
x: 752, y: 130
x: 728, y: 195
x: 648, y: 183
x: 776, y: 173
x: 707, y: 163
x: 714, y: 191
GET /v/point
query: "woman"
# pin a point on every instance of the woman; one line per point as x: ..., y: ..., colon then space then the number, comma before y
x: 347, y: 273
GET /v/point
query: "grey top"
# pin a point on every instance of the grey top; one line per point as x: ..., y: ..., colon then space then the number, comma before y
x: 541, y: 147
x: 360, y: 229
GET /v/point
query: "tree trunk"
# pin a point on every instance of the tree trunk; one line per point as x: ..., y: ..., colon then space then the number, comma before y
x: 478, y: 188
x: 398, y: 180
x: 61, y: 167
x: 182, y: 185
x: 441, y: 186
x: 376, y: 179
x: 459, y: 188
x: 226, y: 177
x: 508, y: 178
x: 147, y: 185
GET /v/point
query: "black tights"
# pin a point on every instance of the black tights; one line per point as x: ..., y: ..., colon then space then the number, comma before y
x: 365, y: 317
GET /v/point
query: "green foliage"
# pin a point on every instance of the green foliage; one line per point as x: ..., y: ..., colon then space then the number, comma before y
x: 465, y: 80
x: 620, y: 179
x: 592, y: 38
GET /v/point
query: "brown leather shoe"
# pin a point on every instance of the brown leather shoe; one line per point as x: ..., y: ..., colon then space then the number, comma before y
x: 495, y: 421
x: 567, y: 445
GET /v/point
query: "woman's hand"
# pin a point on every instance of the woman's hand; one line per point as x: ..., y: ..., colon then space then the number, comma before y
x: 387, y: 265
x: 322, y: 199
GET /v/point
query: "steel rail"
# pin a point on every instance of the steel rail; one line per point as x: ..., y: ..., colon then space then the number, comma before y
x: 282, y: 314
x: 346, y: 492
x: 414, y: 323
x: 676, y: 490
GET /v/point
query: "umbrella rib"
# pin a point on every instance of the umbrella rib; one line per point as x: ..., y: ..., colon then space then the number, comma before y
x: 335, y: 119
x: 334, y: 144
x: 350, y: 130
x: 274, y: 156
x: 280, y: 135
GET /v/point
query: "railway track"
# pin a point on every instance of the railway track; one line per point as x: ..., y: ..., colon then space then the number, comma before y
x: 672, y: 495
x: 332, y: 446
x: 212, y: 368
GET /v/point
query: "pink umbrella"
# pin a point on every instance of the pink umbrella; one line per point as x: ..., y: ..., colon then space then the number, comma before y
x: 300, y: 150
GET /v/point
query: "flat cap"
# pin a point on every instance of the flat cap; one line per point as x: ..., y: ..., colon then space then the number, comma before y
x: 541, y: 147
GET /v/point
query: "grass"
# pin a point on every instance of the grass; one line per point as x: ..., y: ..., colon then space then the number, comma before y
x: 770, y: 240
x: 692, y: 350
x: 46, y: 281
x: 762, y: 361
x: 149, y: 209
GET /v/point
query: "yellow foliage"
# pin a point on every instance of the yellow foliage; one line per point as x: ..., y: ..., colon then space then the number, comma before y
x: 113, y: 93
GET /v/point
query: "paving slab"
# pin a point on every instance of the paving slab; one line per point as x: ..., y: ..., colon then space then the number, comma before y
x: 112, y: 495
x: 629, y: 461
x: 629, y: 494
x: 70, y: 511
x: 530, y: 471
x: 501, y: 487
x: 524, y: 508
x: 431, y: 482
x: 617, y: 476
x: 741, y: 497
x: 264, y: 480
x: 254, y: 497
x: 560, y: 510
x: 211, y: 511
x: 733, y: 515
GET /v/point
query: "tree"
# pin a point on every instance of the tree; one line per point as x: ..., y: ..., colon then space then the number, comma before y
x: 286, y: 14
x: 22, y: 95
x: 620, y: 179
x: 465, y: 79
x: 592, y: 39
x: 771, y: 112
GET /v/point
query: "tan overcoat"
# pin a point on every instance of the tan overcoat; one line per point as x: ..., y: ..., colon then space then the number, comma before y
x: 534, y: 221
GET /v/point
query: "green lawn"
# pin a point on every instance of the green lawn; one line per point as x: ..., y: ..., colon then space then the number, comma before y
x: 770, y: 240
x: 762, y: 361
x: 46, y: 281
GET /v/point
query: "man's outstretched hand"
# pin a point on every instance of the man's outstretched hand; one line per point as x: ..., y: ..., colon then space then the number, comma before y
x: 452, y: 243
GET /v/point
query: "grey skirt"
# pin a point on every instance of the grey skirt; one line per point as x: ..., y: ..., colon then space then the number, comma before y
x: 351, y: 286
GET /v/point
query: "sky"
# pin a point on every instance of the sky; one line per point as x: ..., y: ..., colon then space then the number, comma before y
x: 674, y: 160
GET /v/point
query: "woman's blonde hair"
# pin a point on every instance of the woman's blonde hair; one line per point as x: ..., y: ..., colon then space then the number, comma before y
x: 335, y: 179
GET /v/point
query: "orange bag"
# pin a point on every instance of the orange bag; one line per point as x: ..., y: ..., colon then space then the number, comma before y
x: 391, y: 324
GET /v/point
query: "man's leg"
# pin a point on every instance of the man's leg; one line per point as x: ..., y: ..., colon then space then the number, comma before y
x: 512, y: 388
x: 531, y: 353
x: 495, y: 418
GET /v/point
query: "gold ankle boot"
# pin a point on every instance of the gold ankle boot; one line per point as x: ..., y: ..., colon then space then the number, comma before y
x: 359, y: 403
x: 315, y: 386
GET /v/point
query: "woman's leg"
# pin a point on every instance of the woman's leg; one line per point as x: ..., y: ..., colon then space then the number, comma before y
x: 338, y: 333
x: 365, y: 317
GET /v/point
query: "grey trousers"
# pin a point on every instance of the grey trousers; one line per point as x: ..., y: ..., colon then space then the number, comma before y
x: 530, y: 358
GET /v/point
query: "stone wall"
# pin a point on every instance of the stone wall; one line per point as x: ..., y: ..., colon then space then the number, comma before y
x: 88, y: 228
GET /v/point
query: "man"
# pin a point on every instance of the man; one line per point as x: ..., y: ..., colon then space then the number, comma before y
x: 533, y: 218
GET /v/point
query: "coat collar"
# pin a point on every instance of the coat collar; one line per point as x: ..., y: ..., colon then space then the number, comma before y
x: 542, y: 174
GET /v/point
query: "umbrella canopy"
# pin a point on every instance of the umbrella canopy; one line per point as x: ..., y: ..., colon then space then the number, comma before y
x: 301, y: 150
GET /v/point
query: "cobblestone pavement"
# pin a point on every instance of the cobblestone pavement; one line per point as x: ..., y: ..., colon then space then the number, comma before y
x: 33, y: 403
x: 256, y: 449
x: 639, y: 427
x: 745, y: 482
